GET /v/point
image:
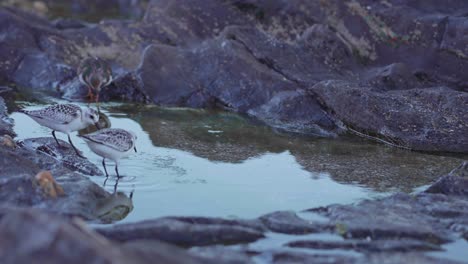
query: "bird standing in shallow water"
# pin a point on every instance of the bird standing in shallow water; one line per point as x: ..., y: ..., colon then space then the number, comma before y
x: 111, y: 143
x: 64, y: 118
x: 95, y: 73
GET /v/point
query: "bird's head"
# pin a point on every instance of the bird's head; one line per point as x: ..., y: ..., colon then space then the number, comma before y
x: 90, y: 116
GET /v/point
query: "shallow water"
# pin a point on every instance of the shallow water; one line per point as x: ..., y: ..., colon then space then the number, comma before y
x: 194, y: 162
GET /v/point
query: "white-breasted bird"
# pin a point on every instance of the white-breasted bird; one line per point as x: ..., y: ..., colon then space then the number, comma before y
x: 111, y: 143
x: 65, y: 118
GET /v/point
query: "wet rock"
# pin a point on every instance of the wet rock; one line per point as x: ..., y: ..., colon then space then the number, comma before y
x: 296, y: 257
x: 396, y: 76
x: 223, y: 254
x: 425, y: 217
x: 263, y: 59
x: 126, y: 88
x: 64, y: 155
x: 255, y: 224
x: 413, y: 119
x: 404, y: 258
x: 6, y: 123
x: 392, y: 218
x: 19, y: 187
x: 289, y: 223
x: 456, y: 183
x: 368, y: 246
x: 295, y: 111
x: 182, y: 233
x: 226, y: 72
x: 28, y: 236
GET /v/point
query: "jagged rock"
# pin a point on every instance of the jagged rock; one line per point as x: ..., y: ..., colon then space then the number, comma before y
x: 6, y: 123
x: 81, y: 197
x: 413, y: 119
x: 426, y: 217
x: 265, y: 59
x: 456, y: 183
x: 64, y: 155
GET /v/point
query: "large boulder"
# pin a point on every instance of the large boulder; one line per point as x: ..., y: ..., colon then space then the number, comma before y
x: 6, y: 123
x: 274, y: 61
x: 32, y: 236
x: 26, y: 182
x: 431, y: 119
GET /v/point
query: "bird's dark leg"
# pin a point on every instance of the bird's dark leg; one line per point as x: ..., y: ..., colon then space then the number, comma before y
x: 117, y: 170
x: 56, y: 140
x: 73, y: 146
x: 104, y: 165
x: 90, y: 95
x: 116, y: 184
x: 97, y: 102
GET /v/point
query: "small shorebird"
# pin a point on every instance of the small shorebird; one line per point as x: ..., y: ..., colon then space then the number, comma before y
x: 95, y: 73
x: 111, y: 143
x: 64, y: 118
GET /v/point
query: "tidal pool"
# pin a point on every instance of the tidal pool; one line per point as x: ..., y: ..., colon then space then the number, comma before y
x: 212, y: 163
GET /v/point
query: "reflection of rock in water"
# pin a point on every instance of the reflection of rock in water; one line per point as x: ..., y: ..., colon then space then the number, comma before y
x: 217, y: 136
x: 220, y: 136
x: 114, y: 207
x: 104, y: 122
x: 372, y: 165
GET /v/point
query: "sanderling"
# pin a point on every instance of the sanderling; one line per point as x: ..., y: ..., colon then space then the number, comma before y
x: 95, y: 73
x: 111, y: 143
x: 64, y: 118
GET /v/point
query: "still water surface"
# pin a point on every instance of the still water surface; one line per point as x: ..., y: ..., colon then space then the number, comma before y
x: 195, y: 162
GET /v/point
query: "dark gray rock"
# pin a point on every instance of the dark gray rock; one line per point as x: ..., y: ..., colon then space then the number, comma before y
x: 255, y: 224
x: 413, y: 119
x: 404, y: 258
x: 397, y: 217
x: 391, y: 72
x: 456, y: 183
x: 6, y: 123
x: 297, y: 257
x: 402, y: 245
x: 288, y: 222
x: 81, y: 196
x: 224, y: 254
x: 30, y: 236
x: 65, y: 155
x: 225, y: 72
x: 436, y: 216
x: 183, y: 233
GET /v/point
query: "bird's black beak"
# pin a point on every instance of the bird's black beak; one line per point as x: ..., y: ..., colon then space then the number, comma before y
x: 135, y: 149
x: 97, y: 125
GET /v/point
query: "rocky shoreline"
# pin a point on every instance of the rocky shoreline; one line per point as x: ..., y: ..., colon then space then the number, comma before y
x: 398, y: 228
x: 397, y: 76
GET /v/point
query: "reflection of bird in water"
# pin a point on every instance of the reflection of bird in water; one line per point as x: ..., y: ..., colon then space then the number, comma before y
x: 115, y: 185
x: 64, y: 118
x: 111, y: 143
x: 114, y: 207
x: 95, y: 73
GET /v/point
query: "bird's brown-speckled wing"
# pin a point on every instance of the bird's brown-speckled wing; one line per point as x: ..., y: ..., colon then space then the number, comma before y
x: 59, y: 113
x: 115, y: 138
